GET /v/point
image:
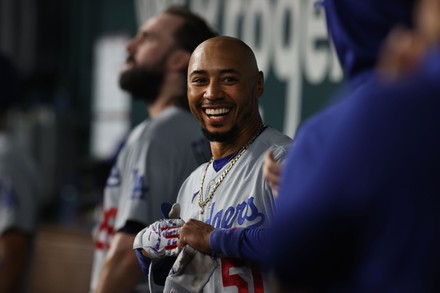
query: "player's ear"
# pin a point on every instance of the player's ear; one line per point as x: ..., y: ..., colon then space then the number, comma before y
x: 178, y: 60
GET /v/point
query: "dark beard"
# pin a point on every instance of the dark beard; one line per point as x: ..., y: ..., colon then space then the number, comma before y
x: 221, y: 137
x: 142, y: 84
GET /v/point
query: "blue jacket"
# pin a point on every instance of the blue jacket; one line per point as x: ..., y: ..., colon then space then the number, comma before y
x: 359, y: 205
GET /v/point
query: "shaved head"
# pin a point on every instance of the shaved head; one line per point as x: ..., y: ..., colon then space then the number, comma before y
x: 229, y: 46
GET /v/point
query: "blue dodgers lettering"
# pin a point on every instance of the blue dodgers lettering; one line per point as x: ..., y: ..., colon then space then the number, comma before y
x: 228, y: 218
x: 139, y: 190
x: 244, y: 214
x: 114, y: 180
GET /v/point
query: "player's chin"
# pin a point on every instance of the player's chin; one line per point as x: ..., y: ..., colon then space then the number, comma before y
x: 218, y: 134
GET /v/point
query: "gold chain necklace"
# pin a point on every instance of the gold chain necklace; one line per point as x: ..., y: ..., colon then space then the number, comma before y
x: 203, y: 203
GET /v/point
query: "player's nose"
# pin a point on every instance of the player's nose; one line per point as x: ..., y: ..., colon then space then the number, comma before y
x: 213, y: 91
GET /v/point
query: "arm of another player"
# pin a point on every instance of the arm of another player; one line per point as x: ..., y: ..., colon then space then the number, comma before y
x: 14, y: 254
x: 242, y: 243
x: 272, y: 172
x: 121, y: 270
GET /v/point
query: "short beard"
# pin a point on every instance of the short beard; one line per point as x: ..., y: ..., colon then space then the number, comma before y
x: 221, y: 137
x: 142, y: 84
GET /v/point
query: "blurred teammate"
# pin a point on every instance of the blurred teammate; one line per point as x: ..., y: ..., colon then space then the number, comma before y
x: 19, y: 194
x: 228, y: 192
x: 359, y: 190
x: 159, y: 153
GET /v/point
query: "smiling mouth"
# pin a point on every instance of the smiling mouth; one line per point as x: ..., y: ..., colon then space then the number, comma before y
x: 217, y: 112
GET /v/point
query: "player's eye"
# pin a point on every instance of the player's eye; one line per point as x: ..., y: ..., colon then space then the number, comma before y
x: 146, y: 36
x: 199, y: 80
x: 230, y: 79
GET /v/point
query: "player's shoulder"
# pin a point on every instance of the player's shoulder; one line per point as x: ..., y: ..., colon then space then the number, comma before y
x: 195, y: 175
x: 272, y: 138
x: 177, y: 132
x: 169, y: 123
x: 191, y: 183
x: 137, y: 133
x: 174, y: 123
x: 198, y: 171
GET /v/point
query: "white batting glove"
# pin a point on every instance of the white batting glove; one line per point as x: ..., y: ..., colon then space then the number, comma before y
x: 160, y: 238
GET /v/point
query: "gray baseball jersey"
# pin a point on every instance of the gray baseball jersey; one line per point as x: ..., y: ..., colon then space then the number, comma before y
x: 19, y: 188
x: 243, y: 199
x: 158, y: 156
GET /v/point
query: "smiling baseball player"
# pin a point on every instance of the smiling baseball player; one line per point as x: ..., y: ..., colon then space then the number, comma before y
x: 224, y: 86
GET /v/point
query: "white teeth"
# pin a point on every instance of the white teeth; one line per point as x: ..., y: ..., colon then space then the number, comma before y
x: 217, y: 111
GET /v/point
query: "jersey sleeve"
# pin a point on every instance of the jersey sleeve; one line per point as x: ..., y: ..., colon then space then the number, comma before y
x: 242, y: 243
x: 133, y: 191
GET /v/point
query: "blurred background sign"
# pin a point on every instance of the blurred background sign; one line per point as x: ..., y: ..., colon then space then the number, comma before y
x: 70, y: 52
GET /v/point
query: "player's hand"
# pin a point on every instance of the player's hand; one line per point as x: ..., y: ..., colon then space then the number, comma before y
x: 159, y: 239
x: 401, y: 53
x: 428, y: 21
x: 272, y: 172
x: 404, y: 49
x: 196, y: 234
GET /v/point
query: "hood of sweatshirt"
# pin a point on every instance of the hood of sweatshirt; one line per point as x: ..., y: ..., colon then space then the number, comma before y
x: 358, y: 29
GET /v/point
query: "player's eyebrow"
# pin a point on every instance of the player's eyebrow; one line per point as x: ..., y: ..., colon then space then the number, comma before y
x: 196, y: 72
x: 221, y: 71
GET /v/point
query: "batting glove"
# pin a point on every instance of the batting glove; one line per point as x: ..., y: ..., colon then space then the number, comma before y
x: 160, y: 238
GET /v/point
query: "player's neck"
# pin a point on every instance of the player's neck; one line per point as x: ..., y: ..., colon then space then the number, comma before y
x: 174, y: 86
x: 154, y: 109
x: 222, y: 149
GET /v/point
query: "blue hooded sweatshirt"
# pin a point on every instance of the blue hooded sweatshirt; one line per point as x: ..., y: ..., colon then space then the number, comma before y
x: 359, y: 205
